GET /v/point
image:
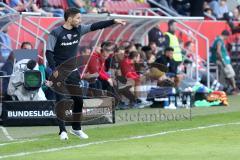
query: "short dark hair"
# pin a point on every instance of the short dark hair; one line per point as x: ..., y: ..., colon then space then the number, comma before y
x: 168, y: 49
x: 108, y: 46
x: 148, y: 54
x: 26, y: 43
x: 133, y: 54
x: 225, y: 33
x: 170, y: 23
x: 238, y: 7
x: 31, y: 64
x: 70, y: 12
x: 146, y: 48
x: 138, y: 45
x: 187, y: 44
x: 105, y: 43
x: 121, y: 48
x: 84, y: 48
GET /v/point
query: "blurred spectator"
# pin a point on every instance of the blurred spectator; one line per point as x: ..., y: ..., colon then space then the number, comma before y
x: 172, y: 41
x: 77, y: 4
x: 182, y: 6
x: 207, y: 10
x: 221, y: 58
x: 236, y: 14
x: 44, y: 5
x: 219, y: 8
x: 34, y: 7
x: 205, y: 4
x: 5, y: 44
x: 103, y: 8
x: 21, y: 6
x: 196, y: 8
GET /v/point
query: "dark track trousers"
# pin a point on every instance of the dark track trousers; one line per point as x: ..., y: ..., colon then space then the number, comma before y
x: 64, y: 91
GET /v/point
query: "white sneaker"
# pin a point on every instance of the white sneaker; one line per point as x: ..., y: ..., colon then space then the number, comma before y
x: 63, y: 136
x: 171, y: 106
x: 79, y: 133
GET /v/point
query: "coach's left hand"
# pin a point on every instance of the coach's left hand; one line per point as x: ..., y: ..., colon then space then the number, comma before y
x: 120, y: 21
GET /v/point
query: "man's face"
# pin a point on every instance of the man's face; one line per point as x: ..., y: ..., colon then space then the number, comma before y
x: 153, y: 47
x: 106, y: 53
x: 98, y: 48
x: 225, y: 37
x: 169, y: 54
x: 120, y: 54
x: 137, y: 59
x: 173, y: 27
x: 87, y: 51
x: 236, y: 12
x: 75, y: 21
x: 222, y: 2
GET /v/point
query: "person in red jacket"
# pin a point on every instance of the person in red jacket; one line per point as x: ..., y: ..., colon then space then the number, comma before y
x: 128, y: 69
x: 97, y: 65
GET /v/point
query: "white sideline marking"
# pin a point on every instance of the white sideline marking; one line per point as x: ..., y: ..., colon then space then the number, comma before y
x: 116, y: 140
x: 17, y: 142
x: 5, y: 132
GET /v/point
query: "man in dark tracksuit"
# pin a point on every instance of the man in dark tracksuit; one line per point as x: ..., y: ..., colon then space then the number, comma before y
x: 62, y: 49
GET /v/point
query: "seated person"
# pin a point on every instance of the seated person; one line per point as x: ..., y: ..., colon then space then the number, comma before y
x: 97, y: 65
x: 167, y: 60
x: 128, y: 70
x: 155, y: 72
x: 123, y: 85
x: 77, y: 4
